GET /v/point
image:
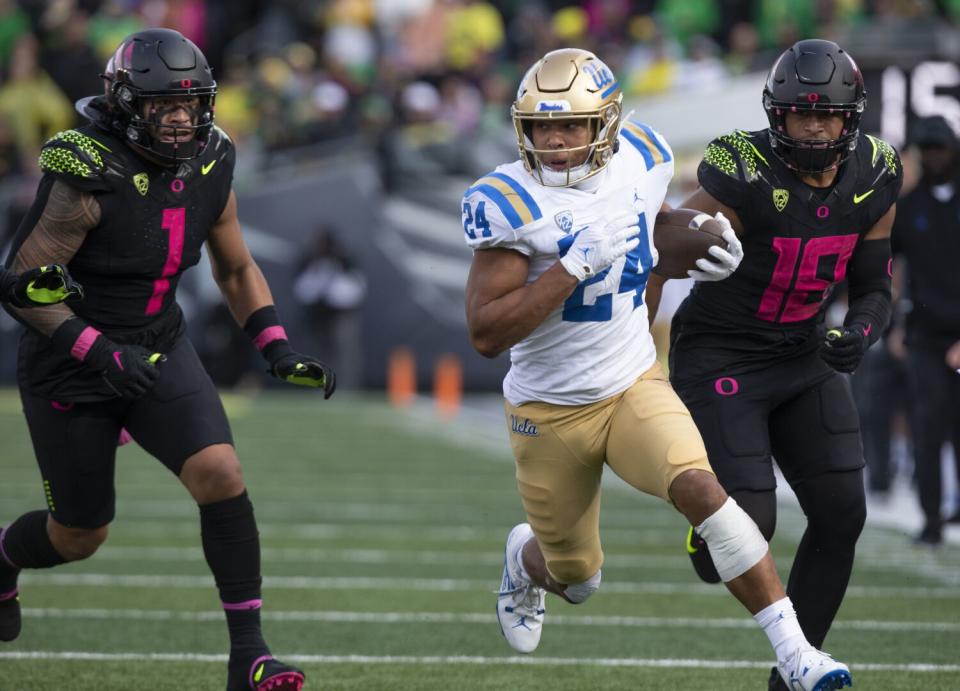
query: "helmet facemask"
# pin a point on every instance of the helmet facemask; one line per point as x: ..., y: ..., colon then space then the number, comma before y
x: 812, y: 156
x: 172, y: 142
x: 604, y: 128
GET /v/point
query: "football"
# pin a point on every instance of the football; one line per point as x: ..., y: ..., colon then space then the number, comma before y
x: 682, y: 236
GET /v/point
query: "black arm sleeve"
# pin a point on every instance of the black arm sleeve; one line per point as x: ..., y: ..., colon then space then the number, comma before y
x: 869, y: 288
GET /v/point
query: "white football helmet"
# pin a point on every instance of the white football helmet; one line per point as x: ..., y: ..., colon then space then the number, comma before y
x: 565, y: 84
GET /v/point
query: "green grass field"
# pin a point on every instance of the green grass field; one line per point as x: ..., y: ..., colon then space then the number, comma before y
x: 382, y: 537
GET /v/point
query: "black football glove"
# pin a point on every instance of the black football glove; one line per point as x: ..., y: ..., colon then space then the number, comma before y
x: 129, y: 370
x: 304, y: 370
x: 843, y: 347
x: 45, y: 285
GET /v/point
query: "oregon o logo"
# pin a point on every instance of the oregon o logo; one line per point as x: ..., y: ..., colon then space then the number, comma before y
x: 726, y: 386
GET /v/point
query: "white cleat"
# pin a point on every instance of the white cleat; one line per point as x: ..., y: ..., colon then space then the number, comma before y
x: 807, y: 669
x: 519, y: 603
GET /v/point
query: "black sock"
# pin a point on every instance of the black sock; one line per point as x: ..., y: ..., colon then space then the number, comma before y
x: 25, y: 544
x: 231, y: 546
x: 836, y: 510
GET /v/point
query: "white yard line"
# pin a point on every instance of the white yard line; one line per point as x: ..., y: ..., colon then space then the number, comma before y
x: 455, y: 660
x: 466, y: 618
x: 430, y: 584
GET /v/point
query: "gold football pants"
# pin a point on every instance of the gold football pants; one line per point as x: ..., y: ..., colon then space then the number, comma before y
x: 644, y: 434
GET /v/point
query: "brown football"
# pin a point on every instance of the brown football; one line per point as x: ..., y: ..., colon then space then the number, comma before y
x: 682, y: 236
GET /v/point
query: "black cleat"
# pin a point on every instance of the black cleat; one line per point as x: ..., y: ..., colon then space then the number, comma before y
x: 269, y: 674
x: 10, y: 619
x: 776, y: 682
x: 700, y: 558
x: 930, y: 537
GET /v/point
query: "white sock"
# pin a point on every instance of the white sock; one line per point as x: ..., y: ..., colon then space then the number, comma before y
x: 779, y: 622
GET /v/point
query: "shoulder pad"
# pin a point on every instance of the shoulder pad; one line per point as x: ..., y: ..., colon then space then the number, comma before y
x: 72, y: 153
x: 883, y: 154
x: 222, y: 133
x: 511, y: 198
x: 735, y: 154
x: 648, y: 142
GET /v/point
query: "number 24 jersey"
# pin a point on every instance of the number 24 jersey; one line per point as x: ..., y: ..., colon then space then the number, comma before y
x: 596, y: 343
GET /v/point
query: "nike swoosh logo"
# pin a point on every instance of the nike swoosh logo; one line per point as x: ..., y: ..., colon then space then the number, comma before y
x: 206, y: 169
x: 857, y: 198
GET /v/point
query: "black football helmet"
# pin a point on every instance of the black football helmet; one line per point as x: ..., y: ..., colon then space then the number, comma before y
x: 814, y: 75
x: 159, y: 63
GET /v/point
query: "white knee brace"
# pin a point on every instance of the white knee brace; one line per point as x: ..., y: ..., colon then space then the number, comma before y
x: 734, y: 540
x: 578, y: 592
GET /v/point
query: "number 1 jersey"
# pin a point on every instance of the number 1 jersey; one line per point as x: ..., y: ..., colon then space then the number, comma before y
x: 154, y: 221
x: 596, y: 343
x: 797, y: 243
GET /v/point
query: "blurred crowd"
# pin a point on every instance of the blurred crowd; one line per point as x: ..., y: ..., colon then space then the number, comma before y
x: 294, y: 73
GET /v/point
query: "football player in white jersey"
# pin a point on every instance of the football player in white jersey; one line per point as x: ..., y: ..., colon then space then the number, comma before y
x: 563, y: 247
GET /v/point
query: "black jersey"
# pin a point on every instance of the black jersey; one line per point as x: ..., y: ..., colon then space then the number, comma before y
x: 154, y: 221
x: 927, y: 233
x: 797, y: 243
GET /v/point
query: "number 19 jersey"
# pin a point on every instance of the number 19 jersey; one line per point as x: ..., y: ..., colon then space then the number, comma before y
x: 797, y: 243
x: 597, y: 343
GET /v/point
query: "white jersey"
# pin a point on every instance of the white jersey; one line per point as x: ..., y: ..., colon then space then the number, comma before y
x: 597, y: 342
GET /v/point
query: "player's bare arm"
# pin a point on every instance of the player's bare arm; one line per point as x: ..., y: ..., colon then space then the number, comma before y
x: 701, y: 200
x: 502, y: 309
x: 251, y: 303
x: 234, y: 269
x: 66, y: 219
x: 655, y: 285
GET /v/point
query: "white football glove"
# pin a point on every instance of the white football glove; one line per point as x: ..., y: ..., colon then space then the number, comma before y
x: 597, y: 247
x: 724, y: 261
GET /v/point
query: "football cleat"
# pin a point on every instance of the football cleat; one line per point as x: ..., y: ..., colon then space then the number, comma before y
x: 520, y: 603
x: 776, y: 682
x: 10, y: 618
x: 807, y: 669
x: 269, y: 674
x: 700, y: 558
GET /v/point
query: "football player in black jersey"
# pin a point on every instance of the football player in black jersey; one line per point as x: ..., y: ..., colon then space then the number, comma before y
x: 127, y: 202
x: 813, y: 201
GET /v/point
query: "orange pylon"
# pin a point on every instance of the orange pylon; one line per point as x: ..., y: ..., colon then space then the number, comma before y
x: 401, y: 378
x: 448, y: 385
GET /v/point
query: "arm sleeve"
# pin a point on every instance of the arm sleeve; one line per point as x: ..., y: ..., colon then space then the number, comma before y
x: 868, y: 280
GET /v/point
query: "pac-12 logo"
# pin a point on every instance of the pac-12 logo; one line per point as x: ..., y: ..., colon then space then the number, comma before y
x: 780, y: 198
x: 564, y: 220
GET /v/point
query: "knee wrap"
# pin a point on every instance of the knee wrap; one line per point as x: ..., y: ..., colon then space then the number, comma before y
x: 733, y: 539
x: 578, y: 592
